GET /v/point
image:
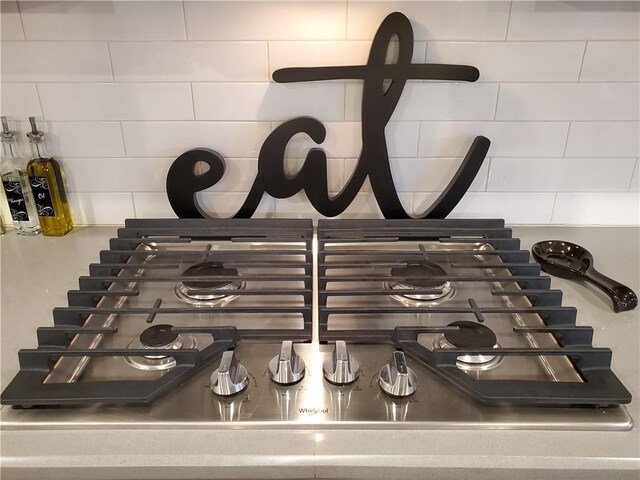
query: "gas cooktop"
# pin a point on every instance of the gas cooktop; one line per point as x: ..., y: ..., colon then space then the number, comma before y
x: 381, y: 323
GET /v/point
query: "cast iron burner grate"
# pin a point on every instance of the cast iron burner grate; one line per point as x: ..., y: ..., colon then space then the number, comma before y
x: 147, y: 253
x: 353, y: 257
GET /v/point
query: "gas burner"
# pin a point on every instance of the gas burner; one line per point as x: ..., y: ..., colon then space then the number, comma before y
x: 208, y: 292
x: 425, y: 268
x: 468, y: 336
x: 154, y: 338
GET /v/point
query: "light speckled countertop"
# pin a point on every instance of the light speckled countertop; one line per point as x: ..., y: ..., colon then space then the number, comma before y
x: 38, y: 271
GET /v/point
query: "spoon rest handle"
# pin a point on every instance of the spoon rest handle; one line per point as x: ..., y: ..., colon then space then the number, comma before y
x: 622, y: 297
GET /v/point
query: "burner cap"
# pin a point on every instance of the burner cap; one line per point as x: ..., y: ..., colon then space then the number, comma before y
x: 208, y: 269
x: 471, y: 335
x: 423, y: 268
x: 158, y: 336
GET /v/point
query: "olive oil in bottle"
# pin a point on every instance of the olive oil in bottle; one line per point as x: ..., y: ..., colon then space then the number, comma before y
x: 47, y: 183
x: 16, y: 185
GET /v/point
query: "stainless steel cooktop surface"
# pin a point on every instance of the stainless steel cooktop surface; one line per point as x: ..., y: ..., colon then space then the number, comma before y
x: 338, y: 309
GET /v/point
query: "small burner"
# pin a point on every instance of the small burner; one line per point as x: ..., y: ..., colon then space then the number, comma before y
x: 423, y: 269
x: 208, y: 292
x: 158, y: 337
x: 470, y: 335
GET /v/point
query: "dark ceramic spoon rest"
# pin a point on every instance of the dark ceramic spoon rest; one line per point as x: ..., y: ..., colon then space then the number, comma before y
x: 573, y: 262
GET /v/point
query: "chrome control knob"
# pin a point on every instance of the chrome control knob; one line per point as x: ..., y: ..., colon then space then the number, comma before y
x: 340, y: 367
x: 230, y: 377
x: 286, y: 368
x: 396, y: 378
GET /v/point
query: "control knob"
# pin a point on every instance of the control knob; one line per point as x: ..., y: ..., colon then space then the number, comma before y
x: 340, y: 367
x: 288, y: 367
x: 396, y: 378
x: 230, y: 377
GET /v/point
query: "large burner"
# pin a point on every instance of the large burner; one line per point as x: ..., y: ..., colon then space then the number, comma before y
x: 470, y: 335
x: 443, y: 291
x: 208, y: 292
x: 158, y: 337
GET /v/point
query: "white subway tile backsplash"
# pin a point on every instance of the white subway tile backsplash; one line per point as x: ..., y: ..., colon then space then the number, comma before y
x: 508, y: 139
x: 328, y: 53
x: 364, y: 205
x: 597, y: 208
x: 611, y: 61
x: 317, y: 54
x: 189, y: 61
x: 513, y: 61
x: 152, y: 205
x: 10, y: 23
x: 82, y: 139
x: 116, y: 101
x: 116, y: 174
x: 150, y: 174
x: 560, y: 174
x: 433, y: 20
x: 55, y: 62
x: 515, y: 208
x: 575, y: 20
x: 344, y: 140
x: 156, y: 205
x: 568, y: 101
x: 603, y: 139
x: 269, y: 20
x: 170, y: 139
x: 268, y: 101
x: 227, y: 204
x: 124, y: 87
x: 103, y: 20
x: 19, y: 100
x: 423, y: 174
x: 431, y: 101
x: 101, y: 208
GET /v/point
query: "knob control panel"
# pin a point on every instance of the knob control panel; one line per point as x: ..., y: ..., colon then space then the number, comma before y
x: 396, y: 378
x: 230, y: 377
x: 287, y: 367
x: 340, y: 367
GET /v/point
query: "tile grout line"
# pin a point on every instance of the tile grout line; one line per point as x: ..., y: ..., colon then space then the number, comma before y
x: 24, y: 32
x: 566, y: 140
x: 193, y: 102
x: 133, y: 203
x: 39, y: 101
x: 495, y: 111
x: 184, y: 22
x: 268, y: 61
x: 553, y: 208
x: 411, y: 82
x: 113, y: 75
x: 124, y: 145
x: 346, y: 20
x: 584, y: 54
x: 304, y: 39
x: 506, y: 33
x: 635, y: 169
x: 486, y: 183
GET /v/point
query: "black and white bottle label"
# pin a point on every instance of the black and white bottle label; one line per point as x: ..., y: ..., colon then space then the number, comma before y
x: 16, y: 201
x: 42, y: 196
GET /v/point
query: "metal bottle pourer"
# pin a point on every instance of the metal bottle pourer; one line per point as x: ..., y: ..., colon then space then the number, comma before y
x: 6, y: 133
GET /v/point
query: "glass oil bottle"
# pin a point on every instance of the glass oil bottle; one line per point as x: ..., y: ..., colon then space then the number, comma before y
x: 47, y: 183
x: 16, y: 185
